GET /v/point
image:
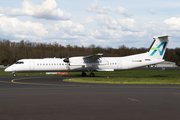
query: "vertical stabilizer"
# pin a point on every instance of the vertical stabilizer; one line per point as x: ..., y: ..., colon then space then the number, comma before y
x: 158, y: 47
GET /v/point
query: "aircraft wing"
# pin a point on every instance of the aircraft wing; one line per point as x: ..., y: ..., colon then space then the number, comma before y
x: 93, y: 57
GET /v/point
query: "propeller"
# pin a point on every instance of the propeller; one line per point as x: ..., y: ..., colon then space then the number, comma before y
x: 66, y: 60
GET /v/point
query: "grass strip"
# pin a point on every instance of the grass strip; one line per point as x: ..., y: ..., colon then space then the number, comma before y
x: 128, y: 80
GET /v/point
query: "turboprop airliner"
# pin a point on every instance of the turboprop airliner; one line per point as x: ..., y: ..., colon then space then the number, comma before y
x: 94, y: 62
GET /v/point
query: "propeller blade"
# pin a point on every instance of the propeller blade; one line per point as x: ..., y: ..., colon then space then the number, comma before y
x: 66, y: 60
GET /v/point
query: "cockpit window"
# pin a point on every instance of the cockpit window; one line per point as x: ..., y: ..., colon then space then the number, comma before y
x: 19, y: 62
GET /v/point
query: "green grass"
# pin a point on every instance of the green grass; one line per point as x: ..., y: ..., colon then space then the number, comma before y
x: 128, y: 80
x: 136, y: 76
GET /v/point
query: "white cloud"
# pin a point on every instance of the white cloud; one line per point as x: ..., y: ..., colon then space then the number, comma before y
x: 154, y: 12
x: 173, y: 23
x: 94, y: 7
x: 12, y: 28
x: 70, y: 28
x: 120, y: 10
x: 1, y: 10
x: 119, y: 24
x: 134, y: 32
x: 109, y: 32
x: 48, y: 10
x: 116, y: 30
x: 87, y: 20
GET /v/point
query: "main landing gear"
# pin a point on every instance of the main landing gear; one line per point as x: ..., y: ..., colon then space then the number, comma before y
x: 91, y: 74
x: 90, y: 69
x: 83, y: 74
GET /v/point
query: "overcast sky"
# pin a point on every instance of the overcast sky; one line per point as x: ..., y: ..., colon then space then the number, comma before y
x: 107, y: 23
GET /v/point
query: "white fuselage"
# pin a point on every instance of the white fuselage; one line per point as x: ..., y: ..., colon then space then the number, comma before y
x: 78, y: 64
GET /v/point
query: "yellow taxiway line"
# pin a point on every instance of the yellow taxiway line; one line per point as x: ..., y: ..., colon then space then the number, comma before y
x: 15, y: 81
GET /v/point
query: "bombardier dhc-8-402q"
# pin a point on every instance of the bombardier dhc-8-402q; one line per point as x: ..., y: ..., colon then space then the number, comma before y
x: 94, y: 62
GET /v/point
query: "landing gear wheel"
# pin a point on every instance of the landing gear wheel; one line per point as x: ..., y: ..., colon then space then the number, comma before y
x: 83, y: 74
x: 14, y: 75
x: 92, y: 75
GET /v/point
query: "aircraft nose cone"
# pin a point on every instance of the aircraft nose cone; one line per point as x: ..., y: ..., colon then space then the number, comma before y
x: 8, y: 69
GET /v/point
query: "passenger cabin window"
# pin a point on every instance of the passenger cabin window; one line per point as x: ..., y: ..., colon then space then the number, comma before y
x: 46, y: 64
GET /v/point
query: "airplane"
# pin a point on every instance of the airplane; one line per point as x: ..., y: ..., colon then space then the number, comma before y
x: 94, y: 62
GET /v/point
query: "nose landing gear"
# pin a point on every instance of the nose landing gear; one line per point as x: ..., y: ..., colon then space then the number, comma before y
x: 14, y: 75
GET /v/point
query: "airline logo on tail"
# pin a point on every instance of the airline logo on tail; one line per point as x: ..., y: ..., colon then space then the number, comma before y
x: 158, y: 49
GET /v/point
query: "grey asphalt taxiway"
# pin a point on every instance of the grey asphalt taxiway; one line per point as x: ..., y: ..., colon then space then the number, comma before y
x: 49, y: 98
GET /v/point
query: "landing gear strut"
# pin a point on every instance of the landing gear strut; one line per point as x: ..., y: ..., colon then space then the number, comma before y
x: 91, y: 72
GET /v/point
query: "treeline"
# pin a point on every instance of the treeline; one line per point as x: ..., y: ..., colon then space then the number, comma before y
x: 10, y: 52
